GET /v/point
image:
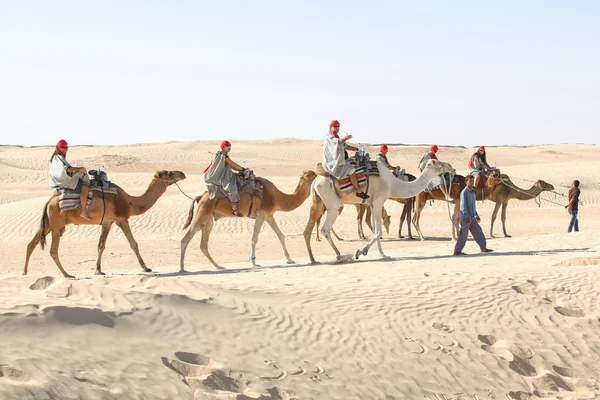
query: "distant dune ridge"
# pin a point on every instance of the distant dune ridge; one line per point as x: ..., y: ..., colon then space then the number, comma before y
x: 520, y: 323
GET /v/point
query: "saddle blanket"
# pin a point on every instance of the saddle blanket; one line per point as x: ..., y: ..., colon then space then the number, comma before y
x: 345, y: 184
x: 69, y: 199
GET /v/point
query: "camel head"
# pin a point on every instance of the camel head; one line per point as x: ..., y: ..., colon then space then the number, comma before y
x: 544, y: 186
x: 308, y: 176
x: 440, y: 167
x: 169, y: 177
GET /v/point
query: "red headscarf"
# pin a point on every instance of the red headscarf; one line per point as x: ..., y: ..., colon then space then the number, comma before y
x: 482, y: 148
x: 432, y: 151
x: 331, y: 124
x: 61, y: 143
x: 383, y: 147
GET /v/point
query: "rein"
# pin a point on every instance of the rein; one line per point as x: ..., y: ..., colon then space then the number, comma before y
x: 169, y: 182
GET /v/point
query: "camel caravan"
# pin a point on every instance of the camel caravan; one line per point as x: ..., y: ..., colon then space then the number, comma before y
x: 233, y: 191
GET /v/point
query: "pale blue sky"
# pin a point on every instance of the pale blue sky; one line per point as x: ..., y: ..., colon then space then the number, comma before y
x: 445, y: 72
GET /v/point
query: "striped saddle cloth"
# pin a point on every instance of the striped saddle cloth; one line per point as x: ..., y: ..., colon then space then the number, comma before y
x: 345, y: 184
x: 69, y: 199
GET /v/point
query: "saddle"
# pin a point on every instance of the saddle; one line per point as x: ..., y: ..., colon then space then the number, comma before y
x: 363, y: 166
x: 246, y: 183
x: 481, y: 181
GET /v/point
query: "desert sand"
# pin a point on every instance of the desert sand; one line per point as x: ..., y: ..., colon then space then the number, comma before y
x: 521, y: 322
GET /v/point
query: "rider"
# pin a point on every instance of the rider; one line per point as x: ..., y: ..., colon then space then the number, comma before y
x: 334, y: 161
x: 438, y: 181
x: 220, y: 173
x: 478, y: 164
x: 63, y: 175
x: 382, y: 158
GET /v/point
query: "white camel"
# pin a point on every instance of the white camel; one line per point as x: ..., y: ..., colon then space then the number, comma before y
x: 381, y: 188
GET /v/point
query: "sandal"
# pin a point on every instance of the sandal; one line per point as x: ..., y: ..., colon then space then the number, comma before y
x: 363, y: 195
x: 236, y: 213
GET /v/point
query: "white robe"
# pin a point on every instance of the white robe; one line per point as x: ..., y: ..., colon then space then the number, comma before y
x: 334, y: 161
x: 59, y: 176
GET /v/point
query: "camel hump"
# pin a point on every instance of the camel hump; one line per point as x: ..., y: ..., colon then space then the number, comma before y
x: 320, y: 171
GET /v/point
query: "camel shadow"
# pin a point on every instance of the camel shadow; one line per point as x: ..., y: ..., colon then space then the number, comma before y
x: 363, y: 259
x: 495, y: 254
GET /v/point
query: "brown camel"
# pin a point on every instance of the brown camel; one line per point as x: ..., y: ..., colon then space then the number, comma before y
x: 409, y: 206
x: 360, y: 210
x: 262, y: 210
x: 117, y: 211
x: 494, y: 180
x: 509, y: 190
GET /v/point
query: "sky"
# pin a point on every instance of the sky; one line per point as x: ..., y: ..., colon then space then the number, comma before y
x: 444, y: 72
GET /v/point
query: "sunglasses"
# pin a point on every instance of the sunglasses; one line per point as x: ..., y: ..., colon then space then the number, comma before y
x: 335, y: 126
x: 63, y: 147
x: 227, y: 145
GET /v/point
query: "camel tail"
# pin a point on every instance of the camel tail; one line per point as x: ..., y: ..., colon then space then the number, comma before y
x: 43, y: 225
x: 191, y: 213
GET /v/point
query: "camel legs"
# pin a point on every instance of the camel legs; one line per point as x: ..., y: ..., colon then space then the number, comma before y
x: 271, y: 221
x: 56, y: 234
x: 206, y: 229
x: 332, y: 214
x: 31, y: 246
x: 405, y: 216
x: 204, y: 223
x: 124, y: 225
x: 318, y: 239
x: 419, y: 205
x: 504, y: 207
x: 377, y: 212
x: 101, y: 246
x: 258, y: 223
x: 456, y: 221
x: 360, y: 213
x: 316, y: 212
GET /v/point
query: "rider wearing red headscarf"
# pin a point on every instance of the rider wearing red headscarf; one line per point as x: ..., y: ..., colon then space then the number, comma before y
x: 220, y: 174
x: 382, y: 158
x: 334, y: 161
x: 438, y: 182
x: 64, y: 176
x: 478, y: 164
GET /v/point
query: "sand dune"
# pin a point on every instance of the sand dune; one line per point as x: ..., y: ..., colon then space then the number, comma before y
x: 520, y: 323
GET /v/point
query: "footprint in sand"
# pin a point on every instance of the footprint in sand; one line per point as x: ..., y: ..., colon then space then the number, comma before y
x: 546, y: 300
x: 13, y: 374
x: 42, y: 283
x: 442, y: 327
x: 206, y: 377
x: 569, y: 312
x: 518, y: 356
x: 422, y: 348
x: 314, y: 369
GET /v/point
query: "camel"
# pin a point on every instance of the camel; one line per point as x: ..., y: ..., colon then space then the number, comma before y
x: 495, y: 180
x: 509, y: 190
x: 360, y: 210
x: 262, y: 210
x: 381, y: 188
x: 104, y: 212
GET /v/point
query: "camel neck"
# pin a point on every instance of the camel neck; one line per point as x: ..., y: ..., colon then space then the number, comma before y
x: 406, y: 190
x: 141, y: 204
x: 525, y: 194
x: 288, y: 202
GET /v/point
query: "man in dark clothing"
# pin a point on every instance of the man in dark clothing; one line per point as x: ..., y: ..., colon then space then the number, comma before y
x: 469, y: 220
x: 573, y: 206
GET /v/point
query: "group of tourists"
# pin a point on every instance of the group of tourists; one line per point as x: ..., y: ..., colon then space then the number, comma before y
x: 221, y: 174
